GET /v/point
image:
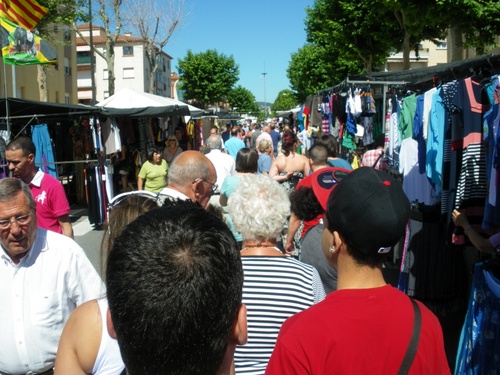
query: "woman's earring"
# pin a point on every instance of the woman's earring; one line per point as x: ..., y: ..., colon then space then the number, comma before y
x: 331, y: 249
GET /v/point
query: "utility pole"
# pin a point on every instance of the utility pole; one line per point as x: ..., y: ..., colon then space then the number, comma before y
x: 265, y: 101
x: 92, y: 57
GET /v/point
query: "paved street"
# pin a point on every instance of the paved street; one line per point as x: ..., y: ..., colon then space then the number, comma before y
x: 85, y: 235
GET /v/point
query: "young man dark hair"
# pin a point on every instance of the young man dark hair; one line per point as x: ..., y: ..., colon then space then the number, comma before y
x: 174, y: 284
x: 366, y: 215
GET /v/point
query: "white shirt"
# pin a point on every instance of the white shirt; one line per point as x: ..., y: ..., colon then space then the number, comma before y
x: 37, y: 296
x: 224, y: 166
x: 171, y: 193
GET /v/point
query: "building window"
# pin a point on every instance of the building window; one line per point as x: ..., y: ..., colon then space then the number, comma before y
x: 67, y: 34
x: 128, y: 50
x: 105, y: 74
x: 128, y: 73
x: 442, y: 45
x: 67, y: 99
x: 67, y: 68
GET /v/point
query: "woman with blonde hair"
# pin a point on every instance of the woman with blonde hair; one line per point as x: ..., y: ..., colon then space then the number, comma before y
x: 171, y: 150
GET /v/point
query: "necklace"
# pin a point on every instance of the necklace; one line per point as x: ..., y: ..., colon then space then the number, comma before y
x: 261, y: 250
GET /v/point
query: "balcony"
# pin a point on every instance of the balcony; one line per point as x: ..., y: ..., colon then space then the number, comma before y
x: 83, y: 60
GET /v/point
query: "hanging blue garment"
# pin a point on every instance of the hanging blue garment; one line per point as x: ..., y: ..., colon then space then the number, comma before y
x: 44, y: 156
x: 479, y: 346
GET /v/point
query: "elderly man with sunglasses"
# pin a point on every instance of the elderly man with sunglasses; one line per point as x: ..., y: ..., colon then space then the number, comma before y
x: 191, y: 176
x: 44, y: 275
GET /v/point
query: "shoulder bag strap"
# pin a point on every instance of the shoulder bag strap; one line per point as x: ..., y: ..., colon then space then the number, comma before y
x: 415, y: 337
x: 379, y: 157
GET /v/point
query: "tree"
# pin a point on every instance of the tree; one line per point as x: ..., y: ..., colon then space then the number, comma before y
x: 417, y: 21
x: 352, y: 30
x: 207, y: 76
x: 471, y: 23
x: 155, y: 24
x: 243, y: 100
x: 313, y: 68
x: 108, y: 54
x: 285, y: 100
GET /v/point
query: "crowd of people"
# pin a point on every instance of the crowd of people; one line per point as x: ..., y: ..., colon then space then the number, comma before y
x: 247, y: 258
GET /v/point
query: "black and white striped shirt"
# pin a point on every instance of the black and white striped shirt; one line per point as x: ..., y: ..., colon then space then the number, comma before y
x: 274, y: 289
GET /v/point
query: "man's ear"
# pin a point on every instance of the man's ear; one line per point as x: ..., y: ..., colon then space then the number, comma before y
x: 239, y: 332
x: 109, y: 324
x: 31, y: 158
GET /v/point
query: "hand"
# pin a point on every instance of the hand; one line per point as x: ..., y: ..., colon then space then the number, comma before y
x: 459, y: 219
x: 289, y: 248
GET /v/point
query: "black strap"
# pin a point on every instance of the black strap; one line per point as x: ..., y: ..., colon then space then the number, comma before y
x: 415, y: 337
x: 376, y: 161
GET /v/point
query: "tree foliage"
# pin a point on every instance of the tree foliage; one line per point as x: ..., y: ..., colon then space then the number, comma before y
x: 207, y: 76
x: 313, y: 68
x: 242, y: 100
x: 347, y: 37
x: 352, y: 29
x: 285, y: 100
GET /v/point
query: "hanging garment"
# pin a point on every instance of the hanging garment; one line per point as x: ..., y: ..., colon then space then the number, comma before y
x: 479, y: 346
x: 44, y: 156
x: 111, y: 136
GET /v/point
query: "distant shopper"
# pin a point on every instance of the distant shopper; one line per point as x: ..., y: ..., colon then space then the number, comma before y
x: 153, y: 173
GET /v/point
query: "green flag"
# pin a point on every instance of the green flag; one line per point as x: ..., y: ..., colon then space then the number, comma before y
x: 22, y: 47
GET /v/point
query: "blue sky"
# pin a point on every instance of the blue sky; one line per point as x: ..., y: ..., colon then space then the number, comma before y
x: 259, y: 34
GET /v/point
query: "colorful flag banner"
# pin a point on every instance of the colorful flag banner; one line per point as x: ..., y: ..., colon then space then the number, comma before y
x: 22, y: 47
x: 26, y: 13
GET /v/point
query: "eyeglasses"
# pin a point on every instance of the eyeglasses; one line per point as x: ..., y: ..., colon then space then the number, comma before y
x: 214, y: 186
x: 20, y: 220
x: 121, y: 197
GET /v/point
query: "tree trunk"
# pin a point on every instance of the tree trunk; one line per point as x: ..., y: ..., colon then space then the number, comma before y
x: 42, y: 83
x: 455, y: 45
x: 406, y: 51
x: 111, y: 71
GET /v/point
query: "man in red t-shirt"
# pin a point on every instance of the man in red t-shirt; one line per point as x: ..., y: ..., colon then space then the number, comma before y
x: 365, y: 326
x: 52, y: 206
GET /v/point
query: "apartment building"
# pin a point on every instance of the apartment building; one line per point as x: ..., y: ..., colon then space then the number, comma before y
x: 131, y: 66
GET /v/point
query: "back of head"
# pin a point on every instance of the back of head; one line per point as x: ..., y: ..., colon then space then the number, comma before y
x: 247, y: 160
x: 330, y: 143
x: 214, y: 142
x: 174, y: 282
x: 370, y: 211
x: 121, y: 213
x: 319, y: 155
x: 22, y: 143
x: 258, y: 207
x: 187, y: 167
x: 288, y: 142
x: 234, y: 131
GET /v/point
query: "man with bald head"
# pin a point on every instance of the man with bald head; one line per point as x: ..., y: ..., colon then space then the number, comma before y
x: 191, y: 176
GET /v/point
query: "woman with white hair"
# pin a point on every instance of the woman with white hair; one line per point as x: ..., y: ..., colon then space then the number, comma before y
x: 275, y: 286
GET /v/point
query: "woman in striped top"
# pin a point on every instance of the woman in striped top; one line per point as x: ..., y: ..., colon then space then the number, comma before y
x: 275, y: 286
